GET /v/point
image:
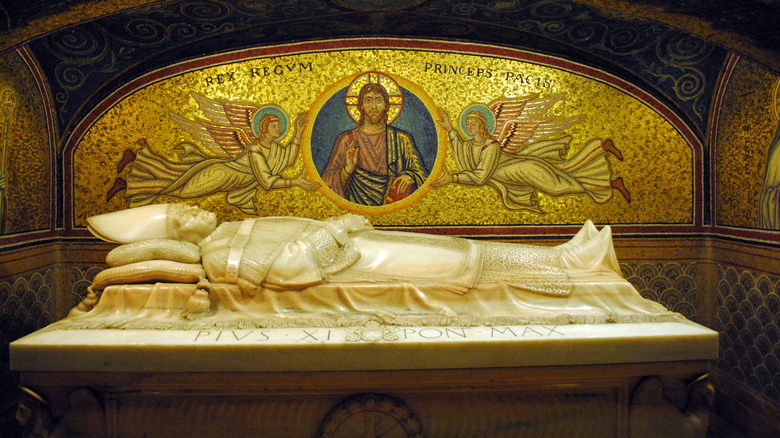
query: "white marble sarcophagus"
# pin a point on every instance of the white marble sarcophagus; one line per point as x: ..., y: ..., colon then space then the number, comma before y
x: 348, y: 331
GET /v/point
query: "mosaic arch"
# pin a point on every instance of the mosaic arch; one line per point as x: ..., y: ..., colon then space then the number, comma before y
x: 747, y: 158
x: 440, y: 135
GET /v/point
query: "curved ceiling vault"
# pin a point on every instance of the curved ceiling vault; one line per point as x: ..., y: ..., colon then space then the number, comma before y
x: 85, y: 59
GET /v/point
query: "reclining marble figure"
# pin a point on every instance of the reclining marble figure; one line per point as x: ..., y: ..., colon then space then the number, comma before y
x: 342, y: 265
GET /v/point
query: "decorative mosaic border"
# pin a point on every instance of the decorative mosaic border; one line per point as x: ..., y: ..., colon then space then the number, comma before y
x: 83, y: 58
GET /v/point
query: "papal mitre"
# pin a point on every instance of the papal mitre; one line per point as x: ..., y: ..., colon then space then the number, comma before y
x: 131, y: 225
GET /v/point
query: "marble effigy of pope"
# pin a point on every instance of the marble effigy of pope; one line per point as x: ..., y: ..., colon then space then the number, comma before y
x: 288, y: 253
x: 264, y: 269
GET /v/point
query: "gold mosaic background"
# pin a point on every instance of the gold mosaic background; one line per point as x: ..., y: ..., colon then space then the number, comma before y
x: 747, y: 125
x: 27, y: 159
x: 656, y: 168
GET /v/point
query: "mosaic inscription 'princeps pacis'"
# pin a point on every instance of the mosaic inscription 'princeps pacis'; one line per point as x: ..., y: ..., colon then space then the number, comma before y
x: 401, y: 138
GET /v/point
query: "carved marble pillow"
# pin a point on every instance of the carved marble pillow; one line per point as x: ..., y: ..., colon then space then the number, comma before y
x: 150, y: 271
x: 154, y: 249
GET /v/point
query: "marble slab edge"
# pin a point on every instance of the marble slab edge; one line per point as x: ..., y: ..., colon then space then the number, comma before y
x: 361, y: 348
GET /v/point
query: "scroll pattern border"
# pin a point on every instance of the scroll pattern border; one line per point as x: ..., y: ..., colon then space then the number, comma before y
x: 83, y: 58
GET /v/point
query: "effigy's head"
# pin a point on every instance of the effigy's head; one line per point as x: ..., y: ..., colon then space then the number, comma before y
x: 355, y: 222
x: 190, y: 224
x: 159, y: 221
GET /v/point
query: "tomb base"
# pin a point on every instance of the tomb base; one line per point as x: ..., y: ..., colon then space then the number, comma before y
x: 597, y: 380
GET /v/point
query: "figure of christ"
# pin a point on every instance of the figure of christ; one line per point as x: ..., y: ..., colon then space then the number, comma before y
x: 374, y: 164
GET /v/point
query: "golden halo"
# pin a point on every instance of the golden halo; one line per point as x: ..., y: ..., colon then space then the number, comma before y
x: 375, y: 77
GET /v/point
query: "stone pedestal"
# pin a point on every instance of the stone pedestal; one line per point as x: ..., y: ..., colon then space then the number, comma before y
x: 600, y: 380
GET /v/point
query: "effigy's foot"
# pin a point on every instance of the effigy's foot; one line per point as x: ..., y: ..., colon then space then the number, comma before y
x: 620, y: 186
x: 597, y: 253
x: 609, y: 146
x: 585, y: 233
x: 609, y: 258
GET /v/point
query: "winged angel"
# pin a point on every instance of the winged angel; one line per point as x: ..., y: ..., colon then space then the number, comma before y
x: 528, y: 155
x: 237, y: 153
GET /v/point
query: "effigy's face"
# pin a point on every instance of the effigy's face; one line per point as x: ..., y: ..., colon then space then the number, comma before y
x: 194, y: 223
x: 355, y: 222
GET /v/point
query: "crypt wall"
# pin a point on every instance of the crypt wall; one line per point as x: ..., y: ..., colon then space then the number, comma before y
x: 746, y: 294
x: 695, y: 160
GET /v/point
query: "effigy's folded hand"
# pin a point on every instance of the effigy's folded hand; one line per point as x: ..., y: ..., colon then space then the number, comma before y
x: 352, y: 222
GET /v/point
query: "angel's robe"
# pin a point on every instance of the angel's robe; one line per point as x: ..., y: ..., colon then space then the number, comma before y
x: 198, y: 175
x: 381, y: 158
x: 537, y: 168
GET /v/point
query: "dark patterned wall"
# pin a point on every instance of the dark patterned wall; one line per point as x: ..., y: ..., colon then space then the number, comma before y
x: 747, y: 319
x: 672, y: 284
x: 754, y: 19
x: 27, y: 306
x: 28, y: 303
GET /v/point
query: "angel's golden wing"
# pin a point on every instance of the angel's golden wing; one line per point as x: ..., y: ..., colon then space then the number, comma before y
x: 521, y: 121
x: 229, y: 128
